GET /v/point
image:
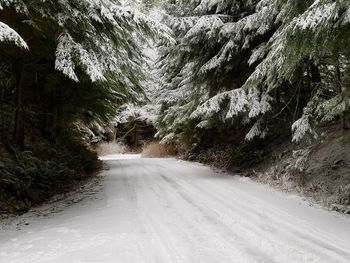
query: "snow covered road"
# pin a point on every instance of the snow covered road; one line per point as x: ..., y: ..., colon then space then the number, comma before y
x: 152, y: 210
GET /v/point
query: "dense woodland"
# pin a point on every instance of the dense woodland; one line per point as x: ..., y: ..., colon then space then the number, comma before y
x: 254, y: 68
x: 66, y: 67
x: 226, y: 79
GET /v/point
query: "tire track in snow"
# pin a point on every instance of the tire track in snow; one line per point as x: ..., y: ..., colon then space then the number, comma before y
x: 166, y: 211
x: 254, y: 253
x: 290, y: 233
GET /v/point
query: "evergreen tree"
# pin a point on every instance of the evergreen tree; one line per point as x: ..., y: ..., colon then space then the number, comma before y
x: 255, y: 64
x: 218, y: 46
x: 65, y: 68
x: 71, y: 61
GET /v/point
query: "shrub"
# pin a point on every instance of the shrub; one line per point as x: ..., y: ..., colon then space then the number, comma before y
x: 44, y: 169
x: 157, y: 150
x: 105, y: 148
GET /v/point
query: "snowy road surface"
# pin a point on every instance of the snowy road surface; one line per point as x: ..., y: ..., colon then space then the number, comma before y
x: 171, y: 211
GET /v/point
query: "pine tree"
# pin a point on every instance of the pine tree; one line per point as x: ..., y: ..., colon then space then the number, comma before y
x: 312, y: 36
x: 218, y: 45
x: 72, y: 61
x: 65, y: 68
x: 255, y: 64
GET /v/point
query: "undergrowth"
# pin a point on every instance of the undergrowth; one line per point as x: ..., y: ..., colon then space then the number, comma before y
x: 29, y: 177
x: 106, y: 148
x: 158, y: 150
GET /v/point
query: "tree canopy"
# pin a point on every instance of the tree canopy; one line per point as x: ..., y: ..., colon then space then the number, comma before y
x: 254, y: 65
x: 85, y: 56
x: 65, y: 68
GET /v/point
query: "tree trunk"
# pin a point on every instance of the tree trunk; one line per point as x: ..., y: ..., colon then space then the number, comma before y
x: 315, y: 76
x: 2, y: 112
x: 136, y: 137
x: 20, y: 112
x: 345, y: 118
x: 346, y: 122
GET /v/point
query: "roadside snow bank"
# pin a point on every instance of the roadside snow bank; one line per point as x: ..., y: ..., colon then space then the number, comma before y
x: 119, y: 157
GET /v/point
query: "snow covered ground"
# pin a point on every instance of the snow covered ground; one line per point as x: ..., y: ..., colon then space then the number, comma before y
x: 153, y: 210
x: 114, y: 157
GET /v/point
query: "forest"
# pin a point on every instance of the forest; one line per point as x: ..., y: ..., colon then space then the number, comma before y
x: 258, y: 87
x: 175, y: 131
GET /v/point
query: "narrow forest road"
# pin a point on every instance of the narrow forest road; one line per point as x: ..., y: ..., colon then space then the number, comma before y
x: 152, y: 210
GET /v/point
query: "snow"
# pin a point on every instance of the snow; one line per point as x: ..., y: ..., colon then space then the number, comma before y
x: 114, y: 157
x: 64, y: 56
x: 10, y: 35
x: 165, y: 210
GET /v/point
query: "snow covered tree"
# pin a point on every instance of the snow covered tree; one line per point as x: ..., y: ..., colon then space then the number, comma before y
x: 218, y: 46
x: 255, y: 64
x: 139, y: 115
x: 72, y: 61
x: 65, y: 68
x: 311, y: 46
